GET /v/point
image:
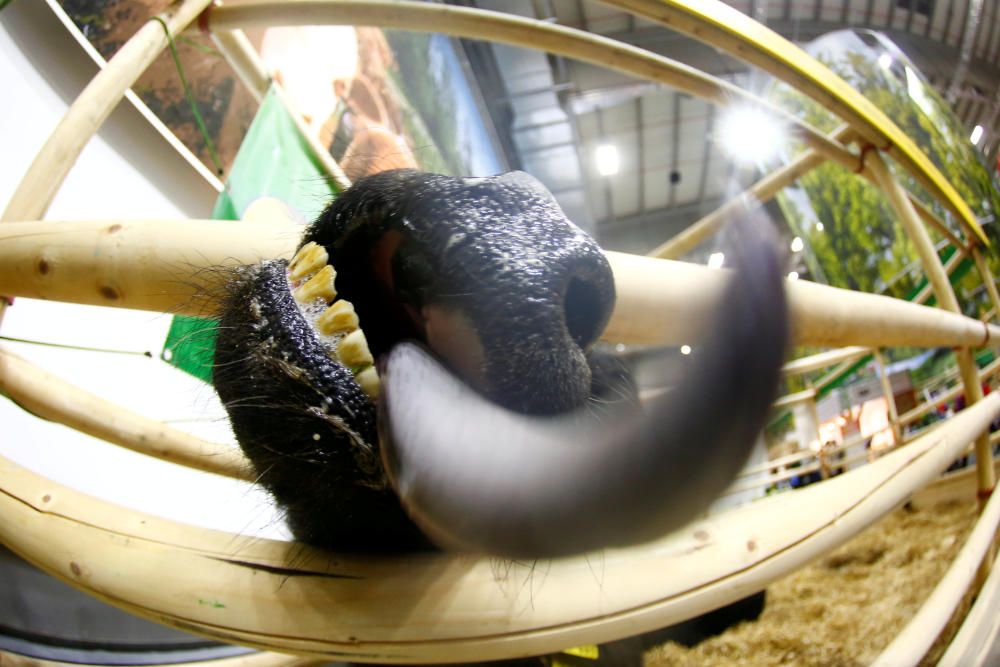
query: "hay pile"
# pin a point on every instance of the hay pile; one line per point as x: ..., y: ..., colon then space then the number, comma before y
x: 845, y: 608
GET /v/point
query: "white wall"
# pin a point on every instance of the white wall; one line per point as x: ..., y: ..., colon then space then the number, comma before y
x: 127, y: 171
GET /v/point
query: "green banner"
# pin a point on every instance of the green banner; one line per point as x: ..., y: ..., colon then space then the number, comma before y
x: 274, y: 160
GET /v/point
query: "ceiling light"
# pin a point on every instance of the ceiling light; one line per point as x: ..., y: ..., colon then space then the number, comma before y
x: 715, y: 260
x: 797, y: 244
x: 606, y: 160
x: 977, y: 134
x: 750, y: 135
x: 685, y: 349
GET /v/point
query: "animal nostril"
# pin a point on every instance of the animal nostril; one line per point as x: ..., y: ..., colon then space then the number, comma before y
x: 585, y: 311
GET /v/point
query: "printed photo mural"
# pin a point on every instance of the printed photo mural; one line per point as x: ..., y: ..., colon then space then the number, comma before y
x: 375, y: 99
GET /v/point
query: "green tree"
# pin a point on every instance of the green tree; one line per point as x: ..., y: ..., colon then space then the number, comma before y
x: 861, y: 245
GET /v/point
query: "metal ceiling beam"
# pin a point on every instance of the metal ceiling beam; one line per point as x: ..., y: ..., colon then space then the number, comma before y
x: 640, y: 151
x: 707, y: 154
x: 970, y: 31
x: 608, y: 199
x: 675, y: 143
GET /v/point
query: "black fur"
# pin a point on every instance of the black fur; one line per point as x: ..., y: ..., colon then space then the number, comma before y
x: 536, y: 290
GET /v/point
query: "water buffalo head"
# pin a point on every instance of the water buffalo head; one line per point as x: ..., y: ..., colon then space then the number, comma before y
x: 494, y: 431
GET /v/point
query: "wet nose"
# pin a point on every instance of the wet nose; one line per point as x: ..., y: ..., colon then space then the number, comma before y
x: 586, y: 305
x: 582, y: 284
x: 545, y: 295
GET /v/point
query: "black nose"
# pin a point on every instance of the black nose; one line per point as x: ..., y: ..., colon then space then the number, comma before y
x: 586, y: 287
x: 494, y: 258
x: 543, y: 293
x: 586, y: 308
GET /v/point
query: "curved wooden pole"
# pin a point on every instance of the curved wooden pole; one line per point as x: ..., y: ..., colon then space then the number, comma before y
x: 88, y: 112
x: 890, y: 398
x: 981, y: 628
x: 38, y: 186
x: 932, y: 219
x: 245, y: 61
x: 760, y: 192
x: 51, y: 398
x: 764, y: 190
x: 736, y: 33
x: 434, y: 607
x: 949, y: 267
x: 823, y: 359
x: 918, y: 636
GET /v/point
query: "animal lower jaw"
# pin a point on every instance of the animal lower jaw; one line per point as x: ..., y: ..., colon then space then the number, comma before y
x: 312, y: 282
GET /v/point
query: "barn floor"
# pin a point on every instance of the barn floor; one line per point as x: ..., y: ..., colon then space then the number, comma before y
x: 844, y: 609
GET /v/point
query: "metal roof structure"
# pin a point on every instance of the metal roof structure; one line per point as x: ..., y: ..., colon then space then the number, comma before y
x: 554, y: 113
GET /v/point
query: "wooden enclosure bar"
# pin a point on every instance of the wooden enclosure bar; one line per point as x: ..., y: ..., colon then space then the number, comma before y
x: 914, y: 414
x: 919, y: 411
x: 326, y: 160
x: 985, y: 474
x: 253, y: 659
x: 797, y: 397
x: 916, y: 639
x: 915, y: 230
x: 821, y: 383
x: 987, y: 277
x: 764, y: 190
x: 120, y: 556
x: 245, y: 61
x: 931, y: 218
x: 652, y: 291
x: 980, y: 629
x: 760, y: 192
x: 40, y: 183
x: 823, y: 360
x: 177, y: 266
x: 890, y: 398
x: 51, y: 398
x: 949, y: 268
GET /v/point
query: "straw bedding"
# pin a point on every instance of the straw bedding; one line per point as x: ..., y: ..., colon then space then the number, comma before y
x: 845, y: 608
